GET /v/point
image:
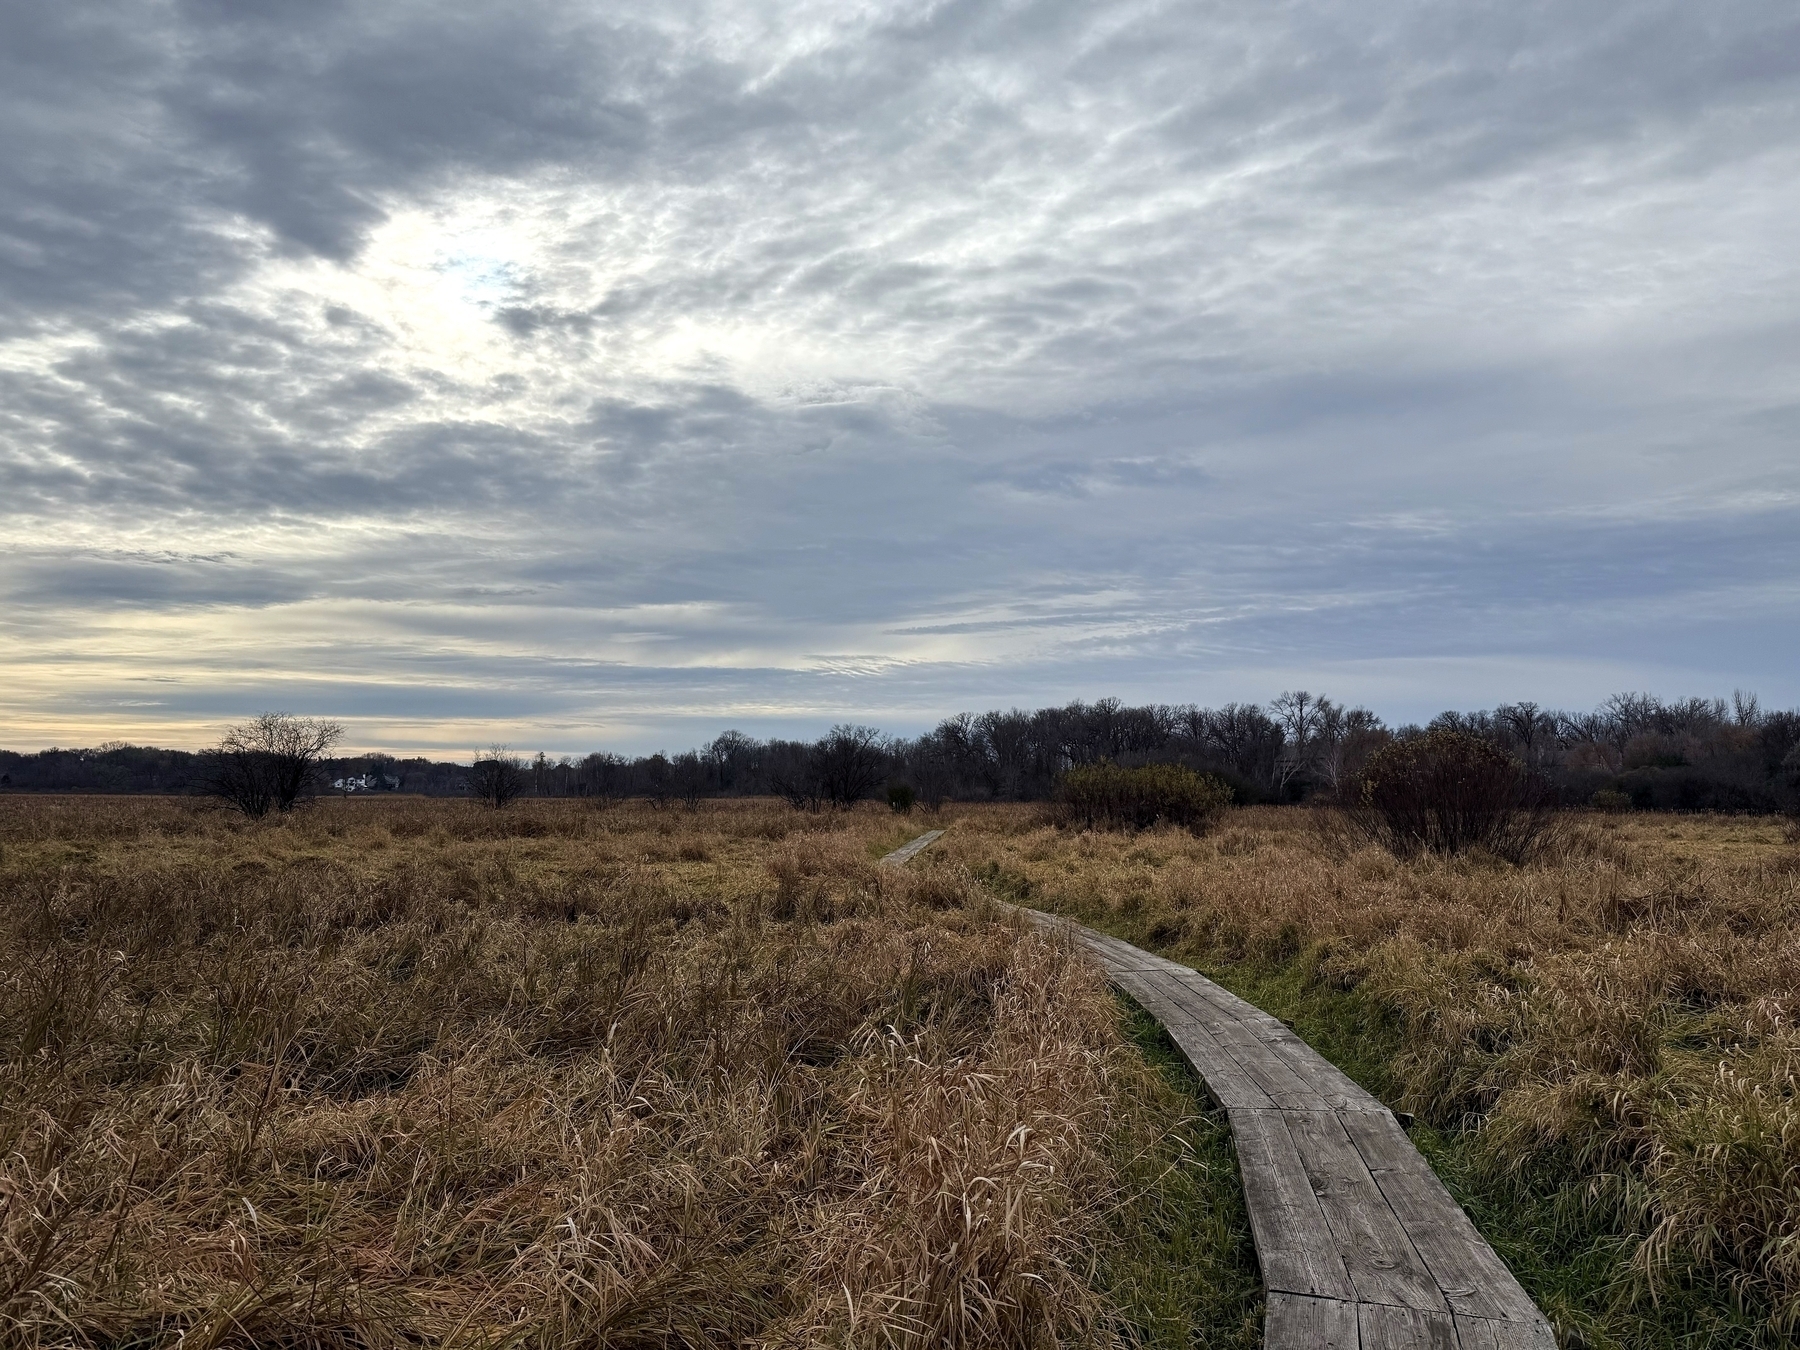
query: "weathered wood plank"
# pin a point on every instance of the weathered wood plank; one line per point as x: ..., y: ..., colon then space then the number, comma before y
x: 1229, y: 1085
x: 1329, y: 1081
x: 1349, y: 1221
x: 907, y: 851
x: 1482, y: 1333
x: 1294, y: 1245
x: 1112, y: 954
x: 1294, y: 1322
x: 1273, y: 1074
x: 1116, y: 953
x: 1381, y: 1326
x: 1475, y: 1281
x: 1379, y: 1256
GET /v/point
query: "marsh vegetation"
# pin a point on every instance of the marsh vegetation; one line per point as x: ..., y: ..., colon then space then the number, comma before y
x: 396, y: 1072
x: 1600, y: 1044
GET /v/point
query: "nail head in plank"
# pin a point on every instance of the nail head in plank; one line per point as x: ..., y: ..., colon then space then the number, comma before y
x: 1475, y: 1281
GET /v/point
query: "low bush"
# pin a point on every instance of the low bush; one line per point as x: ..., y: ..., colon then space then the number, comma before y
x: 1449, y: 792
x: 1106, y: 796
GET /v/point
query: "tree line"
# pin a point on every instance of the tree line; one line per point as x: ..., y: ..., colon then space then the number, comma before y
x: 1634, y: 750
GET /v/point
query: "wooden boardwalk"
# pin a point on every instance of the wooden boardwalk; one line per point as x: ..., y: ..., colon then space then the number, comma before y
x: 1360, y: 1245
x: 912, y: 850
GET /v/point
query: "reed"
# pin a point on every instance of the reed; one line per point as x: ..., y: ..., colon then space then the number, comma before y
x: 396, y: 1072
x: 1609, y: 1029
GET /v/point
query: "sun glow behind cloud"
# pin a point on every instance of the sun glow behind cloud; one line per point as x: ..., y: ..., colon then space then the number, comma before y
x: 563, y: 375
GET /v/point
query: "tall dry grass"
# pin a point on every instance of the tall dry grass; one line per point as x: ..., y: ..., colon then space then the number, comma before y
x: 391, y: 1073
x: 1619, y: 1022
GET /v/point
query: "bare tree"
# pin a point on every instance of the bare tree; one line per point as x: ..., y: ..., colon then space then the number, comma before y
x: 1300, y: 716
x: 1746, y: 707
x: 270, y: 763
x: 1346, y: 739
x: 688, y: 771
x: 848, y: 764
x: 496, y: 778
x: 733, y: 757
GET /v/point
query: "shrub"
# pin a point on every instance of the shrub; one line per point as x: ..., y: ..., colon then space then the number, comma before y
x: 270, y: 763
x: 498, y: 778
x: 1611, y: 799
x: 1105, y: 796
x: 901, y: 797
x: 1448, y: 792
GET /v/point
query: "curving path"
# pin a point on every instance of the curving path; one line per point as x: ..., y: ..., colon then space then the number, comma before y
x: 1360, y: 1244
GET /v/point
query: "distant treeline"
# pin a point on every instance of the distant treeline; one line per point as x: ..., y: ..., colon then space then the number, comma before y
x: 1693, y: 754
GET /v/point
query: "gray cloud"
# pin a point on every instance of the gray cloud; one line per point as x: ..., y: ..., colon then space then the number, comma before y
x: 577, y: 373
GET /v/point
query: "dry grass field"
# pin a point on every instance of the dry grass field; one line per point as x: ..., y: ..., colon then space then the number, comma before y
x: 1606, y: 1039
x: 399, y: 1072
x: 395, y: 1072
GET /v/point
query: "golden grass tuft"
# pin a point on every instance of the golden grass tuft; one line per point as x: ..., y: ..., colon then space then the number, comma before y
x: 1620, y: 1020
x: 398, y: 1072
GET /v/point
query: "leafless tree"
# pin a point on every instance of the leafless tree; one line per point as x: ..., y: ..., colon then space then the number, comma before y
x: 848, y: 764
x: 1300, y: 716
x: 688, y: 771
x: 271, y: 763
x: 498, y: 777
x: 733, y: 757
x: 1345, y: 740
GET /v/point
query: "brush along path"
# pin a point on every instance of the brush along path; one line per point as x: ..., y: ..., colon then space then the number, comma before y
x: 1360, y: 1244
x: 1361, y: 1247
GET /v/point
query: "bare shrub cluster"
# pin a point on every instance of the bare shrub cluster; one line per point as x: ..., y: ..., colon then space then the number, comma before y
x: 394, y: 1073
x: 1617, y: 1023
x: 270, y: 763
x: 1108, y: 796
x: 1448, y: 792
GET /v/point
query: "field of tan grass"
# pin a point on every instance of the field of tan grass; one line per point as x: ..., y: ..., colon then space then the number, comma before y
x: 1611, y: 1029
x: 398, y: 1072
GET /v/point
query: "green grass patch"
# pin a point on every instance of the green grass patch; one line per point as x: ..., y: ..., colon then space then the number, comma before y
x: 1182, y: 1270
x: 1570, y: 1243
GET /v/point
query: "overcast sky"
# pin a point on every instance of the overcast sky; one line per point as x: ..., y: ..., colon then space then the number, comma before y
x: 586, y: 375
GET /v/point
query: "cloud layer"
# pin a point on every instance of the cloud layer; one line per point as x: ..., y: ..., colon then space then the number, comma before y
x: 554, y: 373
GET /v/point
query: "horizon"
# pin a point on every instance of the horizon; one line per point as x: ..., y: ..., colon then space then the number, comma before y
x: 576, y: 376
x: 807, y: 732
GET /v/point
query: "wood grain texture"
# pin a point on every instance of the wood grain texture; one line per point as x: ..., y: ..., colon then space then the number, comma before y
x: 1381, y: 1326
x: 1294, y: 1322
x: 1474, y: 1280
x: 1377, y: 1252
x: 1482, y: 1333
x: 1294, y: 1243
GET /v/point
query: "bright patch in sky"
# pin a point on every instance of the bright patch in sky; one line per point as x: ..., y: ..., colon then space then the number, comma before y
x: 583, y: 377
